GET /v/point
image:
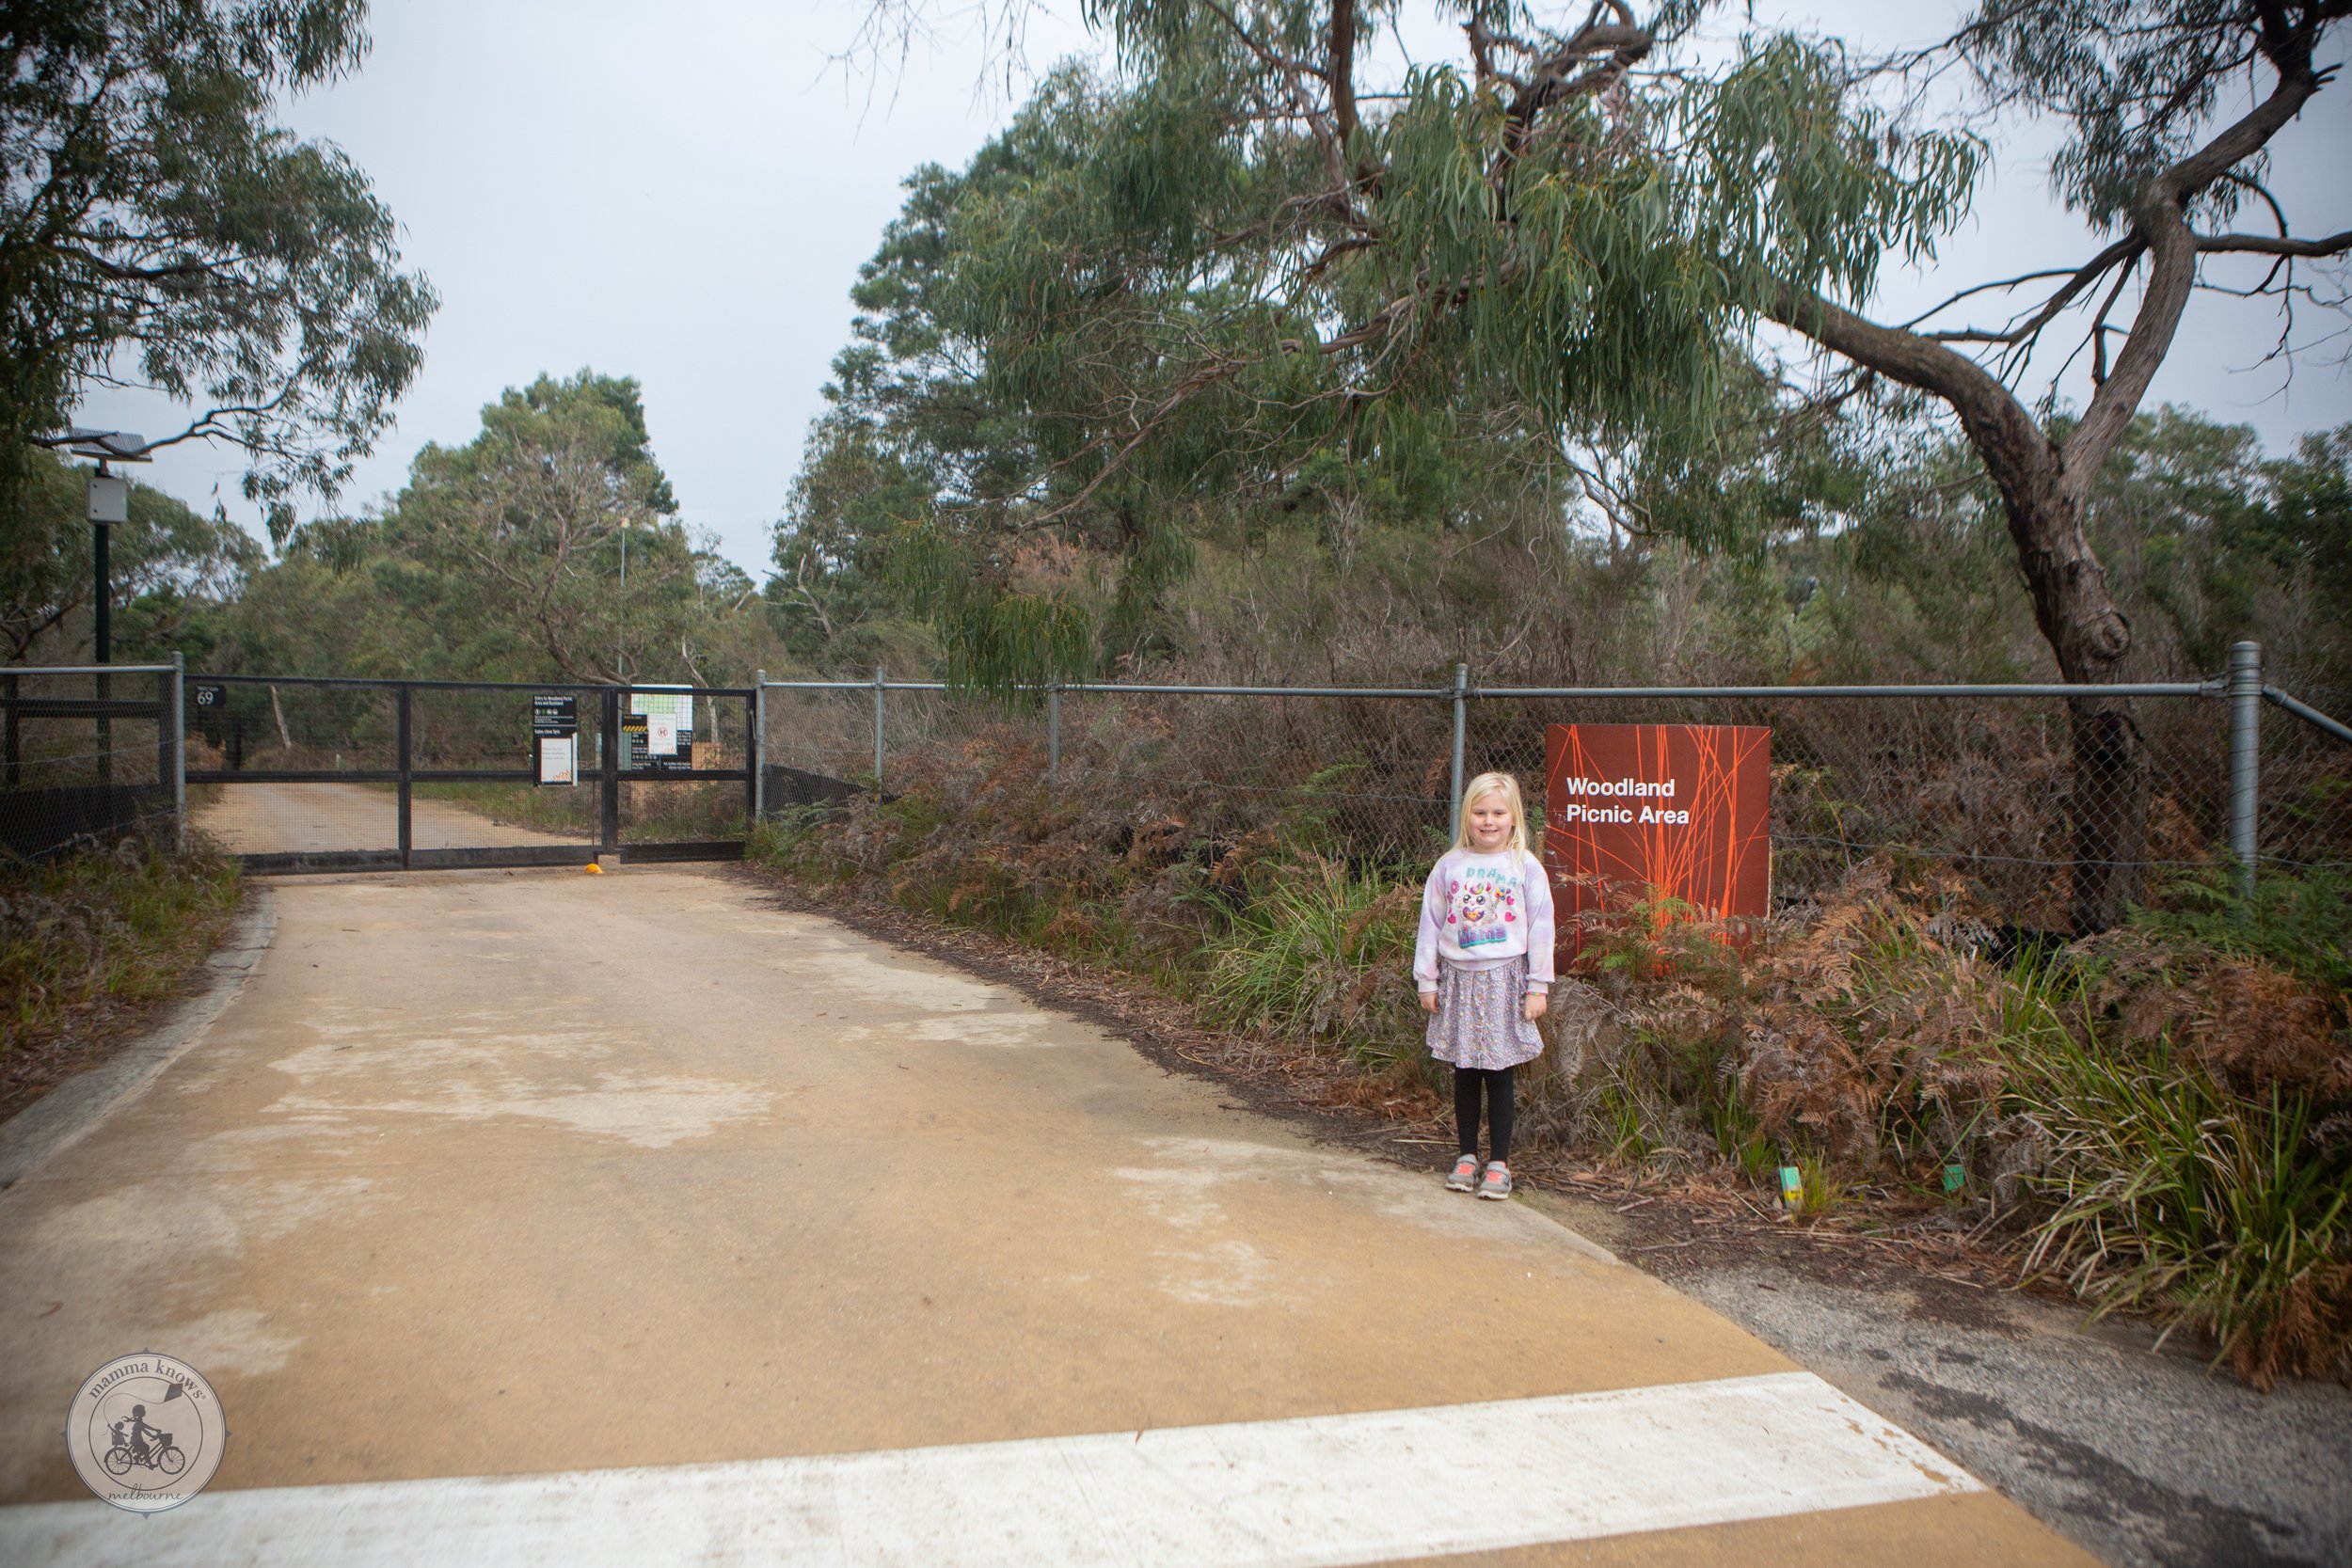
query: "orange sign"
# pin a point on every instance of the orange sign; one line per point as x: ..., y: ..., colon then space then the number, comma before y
x: 1656, y: 811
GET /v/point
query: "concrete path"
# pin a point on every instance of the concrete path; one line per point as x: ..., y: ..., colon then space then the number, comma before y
x: 284, y: 819
x: 547, y: 1217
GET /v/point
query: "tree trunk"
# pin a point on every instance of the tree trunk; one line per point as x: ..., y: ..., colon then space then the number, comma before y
x: 2042, y: 497
x: 2109, y: 803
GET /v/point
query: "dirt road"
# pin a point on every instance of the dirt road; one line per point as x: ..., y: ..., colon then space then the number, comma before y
x: 262, y: 819
x: 525, y: 1217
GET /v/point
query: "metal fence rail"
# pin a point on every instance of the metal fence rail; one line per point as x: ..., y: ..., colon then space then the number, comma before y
x: 1980, y: 776
x: 87, y: 752
x: 312, y: 773
x: 297, y: 771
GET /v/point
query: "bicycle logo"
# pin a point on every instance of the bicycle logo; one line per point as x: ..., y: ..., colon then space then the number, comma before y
x: 121, y: 1446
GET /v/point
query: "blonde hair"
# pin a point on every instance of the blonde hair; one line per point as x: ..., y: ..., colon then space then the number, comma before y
x: 1477, y: 790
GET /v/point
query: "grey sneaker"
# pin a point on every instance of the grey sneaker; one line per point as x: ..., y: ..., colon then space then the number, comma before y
x: 1465, y: 1177
x: 1496, y: 1183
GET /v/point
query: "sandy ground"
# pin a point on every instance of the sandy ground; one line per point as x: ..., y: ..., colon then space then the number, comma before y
x: 260, y: 819
x: 490, y: 1174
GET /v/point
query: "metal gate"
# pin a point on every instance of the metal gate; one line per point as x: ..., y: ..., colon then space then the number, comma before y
x: 308, y: 773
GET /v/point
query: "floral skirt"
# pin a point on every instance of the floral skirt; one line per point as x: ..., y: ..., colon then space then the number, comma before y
x: 1480, y: 1021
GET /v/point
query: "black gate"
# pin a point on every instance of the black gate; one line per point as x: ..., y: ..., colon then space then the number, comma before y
x: 317, y: 774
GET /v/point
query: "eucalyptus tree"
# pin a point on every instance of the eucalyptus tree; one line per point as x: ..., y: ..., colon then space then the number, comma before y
x: 1273, y: 247
x: 171, y: 569
x: 2170, y: 111
x: 159, y: 229
x: 529, y: 528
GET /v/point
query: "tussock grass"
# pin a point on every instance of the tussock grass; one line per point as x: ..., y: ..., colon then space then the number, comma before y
x: 87, y: 938
x: 2161, y: 1191
x: 1314, y: 954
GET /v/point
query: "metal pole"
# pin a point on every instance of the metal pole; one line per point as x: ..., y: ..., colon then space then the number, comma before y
x: 179, y: 750
x: 102, y: 591
x: 1053, y: 737
x: 102, y: 611
x: 878, y: 731
x: 1461, y: 703
x: 164, y: 717
x: 757, y: 748
x: 2246, y: 703
x: 609, y: 772
x: 401, y: 709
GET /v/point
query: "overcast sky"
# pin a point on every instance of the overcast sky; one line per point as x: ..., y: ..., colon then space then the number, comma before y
x: 683, y: 193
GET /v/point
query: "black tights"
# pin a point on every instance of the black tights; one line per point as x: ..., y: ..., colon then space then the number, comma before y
x: 1497, y: 1082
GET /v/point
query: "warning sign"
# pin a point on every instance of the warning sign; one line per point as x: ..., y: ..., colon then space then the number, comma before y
x: 655, y: 742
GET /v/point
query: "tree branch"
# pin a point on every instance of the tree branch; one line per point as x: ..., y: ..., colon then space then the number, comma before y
x: 1342, y: 71
x: 2161, y: 222
x: 2264, y: 245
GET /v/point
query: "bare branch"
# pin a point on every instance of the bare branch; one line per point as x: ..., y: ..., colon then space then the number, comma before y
x: 2264, y: 245
x: 2161, y: 220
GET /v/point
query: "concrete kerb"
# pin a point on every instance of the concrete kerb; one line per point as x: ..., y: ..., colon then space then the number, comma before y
x: 57, y: 1120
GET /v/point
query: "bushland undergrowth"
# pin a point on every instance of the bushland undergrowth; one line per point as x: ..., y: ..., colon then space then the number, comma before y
x: 2160, y: 1117
x: 89, y: 938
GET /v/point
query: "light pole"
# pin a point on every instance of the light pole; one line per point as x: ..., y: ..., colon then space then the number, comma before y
x: 108, y: 504
x: 620, y: 632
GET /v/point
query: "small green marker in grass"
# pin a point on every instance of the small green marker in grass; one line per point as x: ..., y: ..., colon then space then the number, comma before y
x: 1955, y: 1177
x: 1792, y: 1188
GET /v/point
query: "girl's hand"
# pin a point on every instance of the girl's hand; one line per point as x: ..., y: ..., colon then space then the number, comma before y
x: 1429, y: 1002
x: 1538, y: 1005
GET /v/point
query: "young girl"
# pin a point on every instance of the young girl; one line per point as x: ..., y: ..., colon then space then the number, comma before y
x: 1484, y: 965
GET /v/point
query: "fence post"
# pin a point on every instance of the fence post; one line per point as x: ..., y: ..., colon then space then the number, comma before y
x: 1461, y: 690
x: 408, y: 766
x: 2245, y: 706
x: 1053, y: 737
x: 609, y: 771
x: 758, y: 746
x: 179, y: 721
x: 878, y: 731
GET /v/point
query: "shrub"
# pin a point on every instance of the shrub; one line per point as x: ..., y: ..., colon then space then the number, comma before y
x: 2168, y: 1194
x: 84, y: 937
x: 2300, y: 922
x: 1322, y: 952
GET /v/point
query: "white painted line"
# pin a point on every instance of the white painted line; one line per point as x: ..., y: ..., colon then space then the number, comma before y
x: 1321, y: 1491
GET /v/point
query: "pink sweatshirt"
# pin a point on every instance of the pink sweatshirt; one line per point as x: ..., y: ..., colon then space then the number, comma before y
x: 1479, y: 912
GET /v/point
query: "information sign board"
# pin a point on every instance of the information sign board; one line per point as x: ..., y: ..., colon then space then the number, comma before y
x: 658, y: 731
x: 645, y: 734
x: 558, y: 759
x: 207, y: 694
x: 552, y: 714
x: 1656, y: 812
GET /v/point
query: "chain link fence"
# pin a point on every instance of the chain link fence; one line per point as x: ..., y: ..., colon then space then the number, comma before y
x: 88, y: 754
x: 1985, y: 779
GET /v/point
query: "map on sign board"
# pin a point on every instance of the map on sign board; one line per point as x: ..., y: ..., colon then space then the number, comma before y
x: 675, y: 706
